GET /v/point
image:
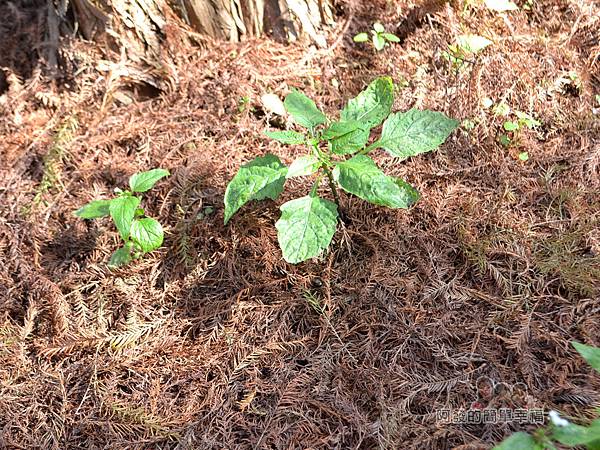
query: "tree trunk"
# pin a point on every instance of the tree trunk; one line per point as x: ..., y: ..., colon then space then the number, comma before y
x: 233, y: 20
x: 137, y: 29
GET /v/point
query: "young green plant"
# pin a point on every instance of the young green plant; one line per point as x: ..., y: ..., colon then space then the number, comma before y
x: 464, y: 49
x: 560, y: 430
x: 140, y: 234
x: 337, y: 153
x: 379, y: 37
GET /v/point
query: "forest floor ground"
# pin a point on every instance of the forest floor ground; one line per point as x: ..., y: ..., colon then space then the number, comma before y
x: 468, y: 299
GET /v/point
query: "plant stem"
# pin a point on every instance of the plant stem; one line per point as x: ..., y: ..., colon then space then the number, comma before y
x: 366, y: 150
x: 334, y: 191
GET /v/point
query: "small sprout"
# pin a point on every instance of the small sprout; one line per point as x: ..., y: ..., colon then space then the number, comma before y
x: 379, y: 37
x: 338, y: 153
x: 140, y: 234
x: 501, y: 109
x: 468, y: 124
x: 505, y: 140
x: 464, y: 49
x: 524, y: 156
x: 513, y: 127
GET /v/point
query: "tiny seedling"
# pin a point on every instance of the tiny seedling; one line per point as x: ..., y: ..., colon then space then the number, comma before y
x: 140, y: 234
x: 464, y: 49
x: 379, y: 37
x: 512, y: 127
x: 561, y: 430
x: 337, y: 152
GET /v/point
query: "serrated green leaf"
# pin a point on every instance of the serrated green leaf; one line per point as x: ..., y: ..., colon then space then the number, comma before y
x: 261, y: 178
x: 589, y: 353
x: 519, y: 441
x: 415, y: 131
x: 391, y: 37
x: 346, y: 137
x: 472, y: 43
x: 287, y: 137
x: 147, y: 233
x: 378, y: 41
x: 372, y: 105
x: 361, y: 176
x: 575, y: 435
x: 378, y: 27
x: 303, y: 110
x: 94, y: 209
x: 361, y: 37
x: 122, y: 210
x: 302, y: 166
x: 306, y: 227
x: 121, y: 256
x: 143, y: 181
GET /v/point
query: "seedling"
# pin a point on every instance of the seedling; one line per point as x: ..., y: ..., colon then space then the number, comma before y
x: 514, y: 127
x: 337, y: 152
x: 379, y: 37
x: 464, y: 49
x: 561, y: 430
x: 140, y: 234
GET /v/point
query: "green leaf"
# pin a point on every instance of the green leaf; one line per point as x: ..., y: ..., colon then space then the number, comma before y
x: 306, y: 227
x: 346, y: 137
x: 121, y: 256
x: 472, y: 43
x: 361, y: 177
x: 524, y: 156
x: 147, y: 233
x: 372, y: 105
x: 141, y: 182
x: 504, y: 140
x: 302, y: 166
x: 378, y: 27
x: 122, y: 210
x: 286, y: 137
x: 94, y: 209
x: 303, y: 110
x: 589, y: 353
x: 391, y: 37
x: 261, y: 178
x: 510, y: 126
x: 501, y: 109
x: 361, y: 37
x: 414, y: 131
x: 519, y: 441
x: 378, y: 42
x: 574, y: 435
x: 527, y: 120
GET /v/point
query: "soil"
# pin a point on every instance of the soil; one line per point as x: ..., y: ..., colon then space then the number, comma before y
x: 468, y: 300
